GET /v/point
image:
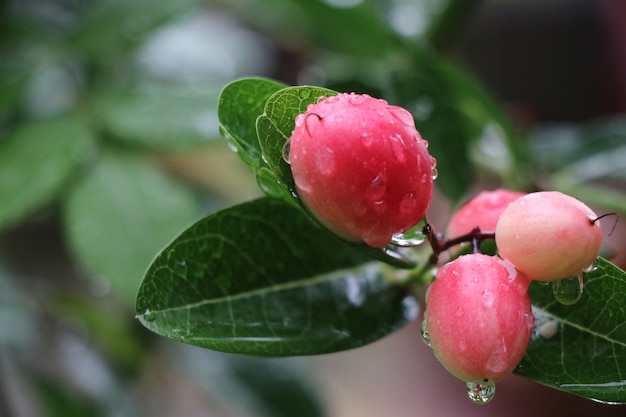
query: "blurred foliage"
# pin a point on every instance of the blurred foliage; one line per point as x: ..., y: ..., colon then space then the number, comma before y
x: 98, y: 97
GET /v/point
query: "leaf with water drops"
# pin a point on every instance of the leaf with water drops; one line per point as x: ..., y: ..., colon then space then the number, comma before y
x: 274, y: 127
x: 262, y: 279
x: 240, y: 103
x: 581, y: 347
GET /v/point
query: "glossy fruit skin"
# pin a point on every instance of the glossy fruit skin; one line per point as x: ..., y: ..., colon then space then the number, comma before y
x: 549, y: 235
x: 479, y: 317
x: 482, y: 211
x: 361, y: 168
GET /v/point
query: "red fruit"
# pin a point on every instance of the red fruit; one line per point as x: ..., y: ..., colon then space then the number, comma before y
x: 361, y: 168
x: 478, y: 317
x: 481, y: 211
x: 549, y: 235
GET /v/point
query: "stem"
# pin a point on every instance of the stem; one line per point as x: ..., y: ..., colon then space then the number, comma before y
x: 445, y: 28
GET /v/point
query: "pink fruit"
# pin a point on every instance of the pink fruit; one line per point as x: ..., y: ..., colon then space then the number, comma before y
x: 361, y: 168
x: 482, y: 211
x: 549, y: 235
x: 478, y: 317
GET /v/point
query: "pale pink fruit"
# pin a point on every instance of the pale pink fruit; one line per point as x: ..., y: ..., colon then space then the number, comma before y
x: 478, y: 317
x: 481, y: 211
x: 361, y: 168
x: 549, y: 235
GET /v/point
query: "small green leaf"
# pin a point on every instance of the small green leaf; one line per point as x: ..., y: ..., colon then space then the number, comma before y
x: 581, y: 348
x: 262, y: 279
x: 121, y: 215
x: 239, y: 105
x: 36, y: 162
x: 159, y: 115
x: 274, y: 127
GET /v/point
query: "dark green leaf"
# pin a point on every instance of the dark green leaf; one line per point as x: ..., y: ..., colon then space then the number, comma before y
x: 581, y: 348
x: 262, y: 279
x: 121, y: 215
x: 240, y: 104
x: 274, y: 127
x: 453, y: 114
x: 159, y: 115
x: 36, y: 161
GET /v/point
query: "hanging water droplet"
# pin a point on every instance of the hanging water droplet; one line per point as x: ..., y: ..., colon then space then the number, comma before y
x: 320, y: 99
x: 568, y: 291
x: 285, y: 151
x: 410, y: 238
x: 149, y: 315
x: 590, y: 268
x: 434, y: 174
x: 481, y: 392
x: 424, y: 333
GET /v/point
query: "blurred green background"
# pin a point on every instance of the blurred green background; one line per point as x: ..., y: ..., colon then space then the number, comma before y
x: 110, y: 147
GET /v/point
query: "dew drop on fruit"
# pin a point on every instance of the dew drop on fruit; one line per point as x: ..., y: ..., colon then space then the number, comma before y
x: 568, y: 291
x: 434, y: 174
x: 285, y: 151
x: 367, y: 139
x: 377, y: 188
x: 424, y: 333
x: 398, y: 148
x: 300, y: 119
x: 481, y: 392
x: 358, y: 99
x: 402, y: 115
x: 320, y: 99
x: 325, y: 162
x: 487, y: 298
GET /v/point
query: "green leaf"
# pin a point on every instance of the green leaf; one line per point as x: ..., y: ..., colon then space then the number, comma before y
x: 159, y: 115
x: 454, y: 114
x: 240, y: 104
x: 581, y: 348
x: 111, y: 28
x: 36, y: 162
x: 262, y: 279
x: 121, y: 215
x: 275, y: 125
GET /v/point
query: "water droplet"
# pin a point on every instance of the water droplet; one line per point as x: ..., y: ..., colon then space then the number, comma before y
x: 367, y: 139
x: 358, y: 99
x: 568, y: 291
x: 487, y: 298
x: 481, y: 392
x: 331, y: 99
x: 424, y: 178
x: 398, y: 148
x: 320, y: 99
x: 590, y: 268
x: 149, y: 315
x: 232, y: 145
x: 377, y: 188
x: 300, y: 119
x: 462, y: 346
x: 410, y: 238
x: 302, y: 183
x: 425, y: 336
x: 325, y: 161
x: 402, y: 115
x: 499, y: 357
x: 434, y: 174
x: 285, y: 151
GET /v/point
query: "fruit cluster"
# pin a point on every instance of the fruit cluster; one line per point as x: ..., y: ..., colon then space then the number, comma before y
x: 363, y: 171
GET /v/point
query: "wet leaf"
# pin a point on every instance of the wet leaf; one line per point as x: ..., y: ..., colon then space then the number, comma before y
x: 240, y: 104
x: 274, y: 127
x: 121, y: 215
x: 262, y: 279
x: 36, y: 162
x: 581, y: 348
